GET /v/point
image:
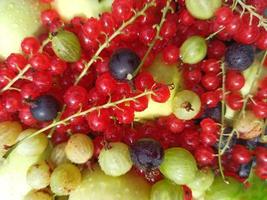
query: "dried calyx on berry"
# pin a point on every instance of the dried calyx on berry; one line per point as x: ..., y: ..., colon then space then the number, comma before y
x: 44, y: 108
x: 123, y: 64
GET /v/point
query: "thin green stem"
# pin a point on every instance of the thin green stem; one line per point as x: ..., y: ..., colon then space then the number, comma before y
x: 84, y: 113
x: 156, y: 38
x: 252, y: 10
x: 109, y: 39
x: 230, y: 136
x: 19, y: 76
x: 222, y: 124
x: 215, y: 33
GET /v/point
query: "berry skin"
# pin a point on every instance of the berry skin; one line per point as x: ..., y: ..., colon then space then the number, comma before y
x: 146, y: 154
x: 124, y: 114
x: 171, y: 54
x: 204, y: 156
x: 75, y: 97
x: 144, y: 81
x: 11, y: 101
x: 239, y: 56
x: 122, y: 10
x: 210, y: 99
x: 174, y: 124
x: 209, y: 126
x: 92, y: 28
x: 44, y: 108
x: 234, y: 100
x: 224, y: 15
x: 123, y: 63
x: 211, y: 65
x: 99, y: 120
x: 105, y: 84
x: 210, y: 81
x: 161, y: 93
x: 241, y: 154
x: 259, y: 108
x: 57, y: 66
x: 234, y: 80
x: 30, y: 45
x: 40, y: 62
x: 16, y: 62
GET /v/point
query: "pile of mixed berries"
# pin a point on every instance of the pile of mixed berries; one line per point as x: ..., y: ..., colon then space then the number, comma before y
x: 91, y: 76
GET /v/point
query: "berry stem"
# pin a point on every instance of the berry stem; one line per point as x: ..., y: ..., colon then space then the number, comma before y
x: 83, y: 113
x: 19, y: 76
x: 230, y: 136
x: 251, y: 9
x: 222, y: 124
x: 157, y: 37
x: 214, y: 34
x: 109, y: 39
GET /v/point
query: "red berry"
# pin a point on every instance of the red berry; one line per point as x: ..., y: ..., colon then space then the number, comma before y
x: 11, y: 101
x: 168, y: 29
x: 105, y: 84
x: 234, y: 80
x: 174, y: 124
x: 57, y: 66
x: 43, y: 80
x: 99, y: 120
x: 233, y: 26
x: 234, y: 100
x: 59, y: 137
x: 170, y: 54
x: 224, y: 15
x: 16, y: 62
x: 75, y: 97
x: 208, y: 125
x: 99, y: 143
x: 210, y: 99
x: 147, y: 34
x: 124, y: 114
x: 144, y: 81
x: 261, y: 42
x: 216, y: 49
x: 193, y: 75
x: 205, y: 156
x: 26, y: 117
x: 49, y: 17
x: 259, y: 108
x: 92, y: 28
x: 208, y: 139
x: 140, y: 104
x: 186, y: 18
x: 107, y: 23
x: 211, y: 65
x: 161, y: 93
x: 30, y: 45
x: 40, y: 62
x: 211, y: 81
x: 241, y: 154
x: 261, y: 155
x: 190, y: 139
x: 261, y: 171
x: 121, y: 10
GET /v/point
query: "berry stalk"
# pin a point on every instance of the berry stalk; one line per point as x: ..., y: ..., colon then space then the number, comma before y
x: 109, y: 39
x: 157, y: 37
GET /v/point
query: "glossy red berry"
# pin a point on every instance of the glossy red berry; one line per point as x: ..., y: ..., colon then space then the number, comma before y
x: 224, y: 15
x: 75, y: 97
x: 49, y: 17
x: 57, y: 66
x: 122, y: 10
x: 108, y: 23
x: 211, y: 65
x: 144, y: 81
x: 105, y: 84
x: 30, y: 45
x: 210, y: 99
x: 241, y: 154
x: 170, y: 54
x: 161, y: 93
x: 5, y: 76
x: 147, y: 34
x: 208, y: 139
x: 99, y: 120
x: 124, y: 114
x: 140, y: 104
x: 26, y: 117
x: 175, y: 125
x: 234, y: 80
x: 261, y: 42
x: 43, y: 80
x: 11, y: 101
x: 208, y: 125
x: 205, y: 156
x: 261, y: 155
x: 58, y: 137
x: 186, y: 18
x: 233, y: 26
x: 216, y: 49
x: 261, y: 171
x: 92, y: 28
x: 16, y: 62
x: 40, y: 62
x: 211, y: 81
x: 259, y: 108
x: 234, y: 100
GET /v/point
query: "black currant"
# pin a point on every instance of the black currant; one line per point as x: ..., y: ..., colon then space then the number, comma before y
x: 214, y: 113
x: 146, y: 154
x: 44, y: 108
x: 239, y: 56
x: 123, y: 64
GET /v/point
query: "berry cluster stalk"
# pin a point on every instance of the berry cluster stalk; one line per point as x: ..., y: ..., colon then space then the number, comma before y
x: 157, y: 37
